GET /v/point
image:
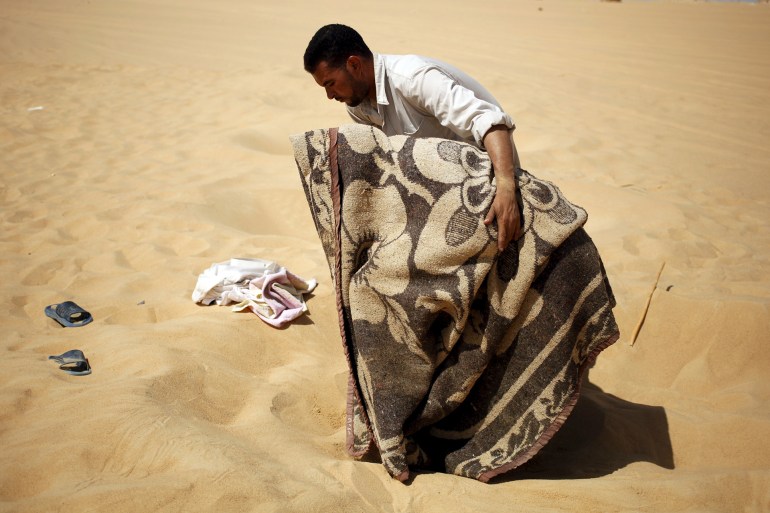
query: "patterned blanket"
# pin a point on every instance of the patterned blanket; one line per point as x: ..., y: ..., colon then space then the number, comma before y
x: 461, y: 359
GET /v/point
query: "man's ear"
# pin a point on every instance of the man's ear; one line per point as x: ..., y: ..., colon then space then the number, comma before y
x: 354, y: 65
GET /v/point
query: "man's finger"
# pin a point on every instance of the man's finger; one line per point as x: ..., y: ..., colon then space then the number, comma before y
x: 506, y: 242
x: 502, y: 237
x: 516, y: 229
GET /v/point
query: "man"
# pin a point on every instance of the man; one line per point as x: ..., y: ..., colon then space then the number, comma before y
x: 413, y: 95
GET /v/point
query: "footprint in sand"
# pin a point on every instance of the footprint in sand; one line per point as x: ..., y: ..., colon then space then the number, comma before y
x: 201, y: 392
x: 273, y: 144
x: 316, y: 413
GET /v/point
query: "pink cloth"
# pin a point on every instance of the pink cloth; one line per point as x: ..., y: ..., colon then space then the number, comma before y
x: 269, y: 290
x: 280, y: 305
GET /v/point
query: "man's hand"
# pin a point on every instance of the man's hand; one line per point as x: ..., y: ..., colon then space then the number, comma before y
x: 502, y: 153
x: 506, y: 210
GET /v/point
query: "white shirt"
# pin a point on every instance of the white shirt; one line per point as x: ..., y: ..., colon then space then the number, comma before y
x: 428, y: 98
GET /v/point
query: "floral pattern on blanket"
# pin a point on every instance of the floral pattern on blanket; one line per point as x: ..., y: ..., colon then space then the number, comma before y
x: 461, y: 359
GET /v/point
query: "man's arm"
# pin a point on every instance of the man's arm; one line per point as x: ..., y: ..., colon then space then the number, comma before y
x: 455, y: 106
x: 502, y: 152
x: 459, y: 109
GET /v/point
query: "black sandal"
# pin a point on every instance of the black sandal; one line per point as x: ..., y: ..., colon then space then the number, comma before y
x: 73, y: 362
x: 68, y: 314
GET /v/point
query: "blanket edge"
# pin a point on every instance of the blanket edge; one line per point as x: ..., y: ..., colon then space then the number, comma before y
x: 558, y: 422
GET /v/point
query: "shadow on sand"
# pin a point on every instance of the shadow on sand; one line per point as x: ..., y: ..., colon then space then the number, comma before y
x: 603, y: 434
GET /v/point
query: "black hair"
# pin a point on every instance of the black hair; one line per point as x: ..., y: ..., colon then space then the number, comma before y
x: 334, y: 44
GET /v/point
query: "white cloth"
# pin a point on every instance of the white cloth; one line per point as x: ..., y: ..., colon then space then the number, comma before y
x: 264, y: 287
x: 425, y: 97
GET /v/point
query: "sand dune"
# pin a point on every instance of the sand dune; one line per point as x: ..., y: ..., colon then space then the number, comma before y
x: 141, y: 142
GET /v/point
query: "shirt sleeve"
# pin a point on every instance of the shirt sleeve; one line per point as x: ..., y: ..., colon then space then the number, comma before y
x: 456, y: 107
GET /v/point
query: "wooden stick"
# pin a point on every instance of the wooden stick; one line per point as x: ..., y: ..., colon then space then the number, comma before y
x: 647, y: 306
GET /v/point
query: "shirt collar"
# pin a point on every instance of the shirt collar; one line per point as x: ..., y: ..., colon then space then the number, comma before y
x: 379, y: 79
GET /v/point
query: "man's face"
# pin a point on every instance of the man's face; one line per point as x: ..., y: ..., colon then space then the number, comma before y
x: 340, y: 84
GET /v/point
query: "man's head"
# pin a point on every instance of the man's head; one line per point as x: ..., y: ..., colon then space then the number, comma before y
x: 341, y: 63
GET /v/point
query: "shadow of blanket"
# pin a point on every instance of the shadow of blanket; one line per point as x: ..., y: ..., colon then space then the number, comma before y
x: 603, y: 434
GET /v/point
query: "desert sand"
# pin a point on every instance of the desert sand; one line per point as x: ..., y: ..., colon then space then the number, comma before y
x: 140, y: 142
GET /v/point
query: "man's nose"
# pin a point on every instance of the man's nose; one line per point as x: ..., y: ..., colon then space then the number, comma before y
x: 329, y: 94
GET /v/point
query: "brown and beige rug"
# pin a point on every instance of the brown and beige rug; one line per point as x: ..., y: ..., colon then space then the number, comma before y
x: 461, y: 359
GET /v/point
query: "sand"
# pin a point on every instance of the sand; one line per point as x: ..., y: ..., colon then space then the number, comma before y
x: 142, y: 141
